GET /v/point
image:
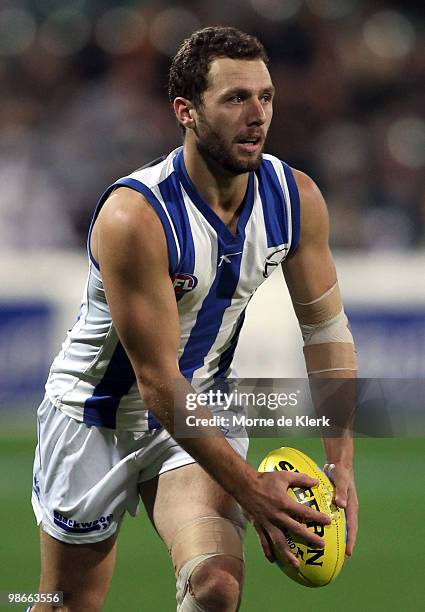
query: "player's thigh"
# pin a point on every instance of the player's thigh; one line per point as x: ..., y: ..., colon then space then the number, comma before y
x: 82, y: 571
x: 182, y: 495
x: 176, y: 501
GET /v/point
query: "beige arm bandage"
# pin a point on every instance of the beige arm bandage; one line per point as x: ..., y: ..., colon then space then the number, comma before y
x: 328, y: 341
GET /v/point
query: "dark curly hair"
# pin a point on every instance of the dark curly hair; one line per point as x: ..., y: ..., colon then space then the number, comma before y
x: 189, y: 69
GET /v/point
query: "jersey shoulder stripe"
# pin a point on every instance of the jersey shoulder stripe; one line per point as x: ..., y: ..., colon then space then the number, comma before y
x: 294, y: 198
x: 164, y: 216
x: 281, y: 204
x: 273, y: 204
x: 145, y: 181
x: 173, y: 198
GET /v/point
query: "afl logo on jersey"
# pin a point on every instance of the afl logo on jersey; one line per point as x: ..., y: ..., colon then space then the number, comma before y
x: 183, y: 283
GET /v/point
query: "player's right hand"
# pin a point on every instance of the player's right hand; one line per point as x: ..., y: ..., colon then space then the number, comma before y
x: 270, y: 508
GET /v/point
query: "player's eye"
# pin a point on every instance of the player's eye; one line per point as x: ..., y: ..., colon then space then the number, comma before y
x: 236, y: 99
x: 267, y: 97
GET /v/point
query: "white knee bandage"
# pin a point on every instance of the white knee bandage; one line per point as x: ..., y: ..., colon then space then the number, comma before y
x: 208, y: 535
x: 196, y: 542
x: 189, y: 604
x: 184, y: 596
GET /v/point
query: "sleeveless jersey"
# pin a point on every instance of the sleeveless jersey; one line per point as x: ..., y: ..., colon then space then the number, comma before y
x: 214, y: 273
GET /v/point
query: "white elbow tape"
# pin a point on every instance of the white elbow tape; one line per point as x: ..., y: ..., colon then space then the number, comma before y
x: 321, y: 309
x: 328, y: 341
x: 332, y: 330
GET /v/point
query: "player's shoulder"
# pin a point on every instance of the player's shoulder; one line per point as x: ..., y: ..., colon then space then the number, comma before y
x: 305, y: 184
x: 307, y: 188
x: 313, y: 210
x: 156, y: 171
x: 127, y: 231
x: 310, y: 197
x: 129, y: 207
x: 128, y: 212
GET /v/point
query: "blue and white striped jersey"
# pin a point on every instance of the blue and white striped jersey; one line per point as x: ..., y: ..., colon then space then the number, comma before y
x: 214, y: 272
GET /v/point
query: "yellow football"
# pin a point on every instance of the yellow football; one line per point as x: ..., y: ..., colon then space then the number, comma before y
x: 318, y: 567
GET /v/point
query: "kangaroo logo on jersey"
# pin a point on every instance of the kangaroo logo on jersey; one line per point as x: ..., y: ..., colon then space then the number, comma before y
x: 273, y: 260
x: 183, y: 283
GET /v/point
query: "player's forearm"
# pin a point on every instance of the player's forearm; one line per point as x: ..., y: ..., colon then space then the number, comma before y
x: 334, y: 397
x: 207, y: 444
x: 222, y: 463
x: 339, y: 450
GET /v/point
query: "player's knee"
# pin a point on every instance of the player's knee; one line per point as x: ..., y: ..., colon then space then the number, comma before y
x: 216, y: 584
x: 208, y: 557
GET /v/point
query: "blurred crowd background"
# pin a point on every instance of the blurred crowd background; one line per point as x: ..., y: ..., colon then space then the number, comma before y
x: 84, y: 101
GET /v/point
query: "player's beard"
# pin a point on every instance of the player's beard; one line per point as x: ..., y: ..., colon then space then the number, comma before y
x: 215, y: 151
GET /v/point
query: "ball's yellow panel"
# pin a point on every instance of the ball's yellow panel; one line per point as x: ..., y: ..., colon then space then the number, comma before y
x: 318, y: 567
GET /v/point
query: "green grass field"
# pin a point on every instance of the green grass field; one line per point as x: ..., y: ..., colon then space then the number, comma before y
x: 385, y: 574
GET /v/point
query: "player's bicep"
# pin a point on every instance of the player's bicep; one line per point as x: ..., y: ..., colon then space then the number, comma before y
x: 311, y: 270
x: 133, y: 260
x: 312, y: 284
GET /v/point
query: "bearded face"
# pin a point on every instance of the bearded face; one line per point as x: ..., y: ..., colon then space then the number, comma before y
x: 235, y: 156
x: 232, y: 121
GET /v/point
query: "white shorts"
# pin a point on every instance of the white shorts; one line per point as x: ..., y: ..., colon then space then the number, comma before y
x: 86, y: 477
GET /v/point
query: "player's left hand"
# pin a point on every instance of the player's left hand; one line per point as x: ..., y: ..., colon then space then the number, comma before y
x: 345, y: 497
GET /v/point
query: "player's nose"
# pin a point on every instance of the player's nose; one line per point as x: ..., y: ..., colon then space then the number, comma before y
x: 256, y: 112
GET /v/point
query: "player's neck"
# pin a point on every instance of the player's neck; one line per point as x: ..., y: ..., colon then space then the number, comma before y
x: 220, y: 190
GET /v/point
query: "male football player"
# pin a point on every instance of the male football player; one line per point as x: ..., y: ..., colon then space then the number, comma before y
x: 177, y: 250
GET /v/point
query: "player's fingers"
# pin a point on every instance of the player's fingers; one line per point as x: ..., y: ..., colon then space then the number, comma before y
x: 352, y: 525
x: 341, y: 492
x: 300, y: 530
x: 306, y: 514
x: 341, y: 482
x: 351, y: 537
x: 266, y: 543
x: 298, y: 479
x: 281, y: 547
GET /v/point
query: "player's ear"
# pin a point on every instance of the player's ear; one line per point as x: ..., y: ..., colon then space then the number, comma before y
x: 185, y: 112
